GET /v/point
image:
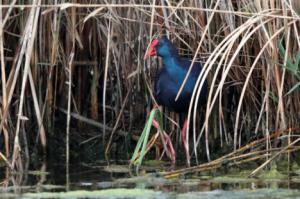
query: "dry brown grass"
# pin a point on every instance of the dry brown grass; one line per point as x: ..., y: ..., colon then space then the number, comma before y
x: 87, y: 58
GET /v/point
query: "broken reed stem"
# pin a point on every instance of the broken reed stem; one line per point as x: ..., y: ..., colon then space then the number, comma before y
x: 108, y: 146
x: 253, y: 173
x: 234, y: 159
x: 41, y: 132
x: 6, y: 161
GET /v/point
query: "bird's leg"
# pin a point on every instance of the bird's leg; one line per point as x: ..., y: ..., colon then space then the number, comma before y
x: 185, y: 143
x: 166, y: 140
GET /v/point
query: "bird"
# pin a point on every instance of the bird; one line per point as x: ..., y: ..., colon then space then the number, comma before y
x: 170, y: 78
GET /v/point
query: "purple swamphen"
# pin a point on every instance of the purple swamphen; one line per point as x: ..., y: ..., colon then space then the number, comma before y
x: 169, y: 79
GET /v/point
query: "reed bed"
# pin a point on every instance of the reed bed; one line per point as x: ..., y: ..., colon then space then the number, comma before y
x: 67, y: 65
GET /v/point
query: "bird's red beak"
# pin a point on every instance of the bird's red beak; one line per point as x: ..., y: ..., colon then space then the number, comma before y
x: 151, y: 52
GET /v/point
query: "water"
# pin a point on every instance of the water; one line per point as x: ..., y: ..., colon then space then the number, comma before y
x: 117, y: 181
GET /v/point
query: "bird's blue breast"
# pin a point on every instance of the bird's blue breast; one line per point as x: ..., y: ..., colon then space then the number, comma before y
x: 169, y: 81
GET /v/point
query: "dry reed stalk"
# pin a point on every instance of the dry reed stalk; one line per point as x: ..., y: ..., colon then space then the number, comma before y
x: 3, y: 82
x: 250, y: 72
x: 208, y: 65
x: 92, y: 123
x: 41, y: 131
x: 295, y: 5
x: 64, y: 6
x: 108, y: 146
x: 70, y: 80
x: 50, y: 94
x: 29, y: 39
x: 3, y: 73
x: 109, y: 30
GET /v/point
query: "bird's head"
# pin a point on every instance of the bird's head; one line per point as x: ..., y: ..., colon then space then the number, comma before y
x: 161, y: 47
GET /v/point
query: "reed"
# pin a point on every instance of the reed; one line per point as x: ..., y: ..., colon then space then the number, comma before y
x: 85, y: 59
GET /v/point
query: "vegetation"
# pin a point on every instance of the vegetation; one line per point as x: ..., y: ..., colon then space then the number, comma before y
x: 66, y: 65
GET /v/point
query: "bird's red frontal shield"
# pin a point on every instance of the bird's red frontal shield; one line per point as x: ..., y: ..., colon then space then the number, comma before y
x: 151, y: 50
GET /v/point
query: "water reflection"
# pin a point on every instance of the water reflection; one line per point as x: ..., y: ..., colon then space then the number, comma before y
x: 101, y: 176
